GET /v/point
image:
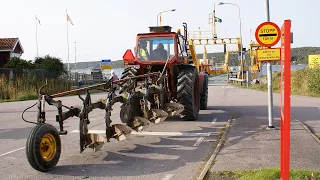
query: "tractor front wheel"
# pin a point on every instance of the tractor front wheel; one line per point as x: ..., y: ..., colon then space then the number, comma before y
x: 188, y: 92
x: 43, y: 147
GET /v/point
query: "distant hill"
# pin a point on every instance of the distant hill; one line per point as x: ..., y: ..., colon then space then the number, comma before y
x: 298, y: 56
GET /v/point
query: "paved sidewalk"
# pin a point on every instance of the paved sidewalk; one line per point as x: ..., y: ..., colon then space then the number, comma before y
x: 250, y: 146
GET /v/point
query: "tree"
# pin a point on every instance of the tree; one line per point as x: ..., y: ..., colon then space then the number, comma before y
x: 19, y: 65
x: 53, y: 66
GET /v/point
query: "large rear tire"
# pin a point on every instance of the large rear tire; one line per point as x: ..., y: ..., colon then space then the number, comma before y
x: 204, y: 93
x: 43, y: 147
x: 188, y: 92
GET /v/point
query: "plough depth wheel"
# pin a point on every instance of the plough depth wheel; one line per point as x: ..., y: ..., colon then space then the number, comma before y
x: 43, y: 147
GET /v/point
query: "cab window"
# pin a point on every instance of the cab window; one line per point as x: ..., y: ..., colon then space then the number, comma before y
x: 155, y: 48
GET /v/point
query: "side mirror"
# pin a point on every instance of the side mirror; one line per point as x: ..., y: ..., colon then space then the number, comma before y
x: 128, y: 55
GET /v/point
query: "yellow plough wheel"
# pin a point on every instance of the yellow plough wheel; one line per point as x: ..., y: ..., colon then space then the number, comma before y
x: 43, y: 147
x: 48, y: 147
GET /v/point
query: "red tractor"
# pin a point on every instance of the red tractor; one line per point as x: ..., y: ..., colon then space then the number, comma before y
x: 167, y: 52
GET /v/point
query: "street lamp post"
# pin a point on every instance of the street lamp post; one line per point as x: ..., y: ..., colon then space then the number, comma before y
x: 161, y: 14
x: 75, y: 55
x: 241, y: 51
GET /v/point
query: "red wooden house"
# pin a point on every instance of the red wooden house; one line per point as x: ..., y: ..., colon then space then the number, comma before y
x: 9, y: 47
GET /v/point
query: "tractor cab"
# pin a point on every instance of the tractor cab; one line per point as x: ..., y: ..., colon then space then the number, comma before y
x: 157, y: 46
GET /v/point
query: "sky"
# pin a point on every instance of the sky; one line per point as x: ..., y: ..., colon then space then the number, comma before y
x: 105, y: 29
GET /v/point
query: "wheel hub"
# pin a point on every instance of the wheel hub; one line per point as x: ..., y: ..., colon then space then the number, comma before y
x: 48, y: 147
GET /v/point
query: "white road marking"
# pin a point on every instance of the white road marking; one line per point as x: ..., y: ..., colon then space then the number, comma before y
x: 12, y: 151
x: 214, y: 120
x: 145, y: 133
x: 199, y: 141
x: 5, y: 131
x: 167, y: 177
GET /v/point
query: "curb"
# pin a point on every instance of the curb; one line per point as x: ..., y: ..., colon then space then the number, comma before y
x: 308, y: 130
x: 216, y: 151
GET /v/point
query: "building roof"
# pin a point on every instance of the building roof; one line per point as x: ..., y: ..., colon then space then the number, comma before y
x: 9, y: 44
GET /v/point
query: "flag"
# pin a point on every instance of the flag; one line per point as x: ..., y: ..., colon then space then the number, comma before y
x: 216, y: 19
x: 69, y: 19
x: 38, y: 20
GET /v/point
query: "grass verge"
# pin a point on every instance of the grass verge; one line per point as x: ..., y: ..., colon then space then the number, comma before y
x: 305, y: 82
x: 263, y: 174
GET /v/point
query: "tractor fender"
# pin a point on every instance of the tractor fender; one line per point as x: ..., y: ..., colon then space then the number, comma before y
x: 201, y: 81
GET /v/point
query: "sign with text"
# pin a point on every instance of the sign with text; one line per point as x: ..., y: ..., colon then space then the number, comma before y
x: 106, y: 64
x: 270, y: 54
x: 268, y: 34
x: 314, y: 61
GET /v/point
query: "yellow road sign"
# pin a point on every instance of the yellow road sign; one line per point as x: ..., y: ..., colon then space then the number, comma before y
x: 268, y: 34
x: 314, y: 61
x: 106, y: 67
x: 270, y: 54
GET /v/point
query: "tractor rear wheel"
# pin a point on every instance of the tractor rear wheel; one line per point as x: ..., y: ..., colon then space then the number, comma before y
x: 188, y: 92
x: 43, y: 147
x: 204, y: 93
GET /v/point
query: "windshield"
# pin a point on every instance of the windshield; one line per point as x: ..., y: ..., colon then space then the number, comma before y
x: 155, y: 48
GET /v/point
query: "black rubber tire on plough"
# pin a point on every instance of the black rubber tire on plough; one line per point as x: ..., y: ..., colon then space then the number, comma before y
x: 188, y: 91
x: 204, y: 94
x: 128, y: 72
x: 41, y: 155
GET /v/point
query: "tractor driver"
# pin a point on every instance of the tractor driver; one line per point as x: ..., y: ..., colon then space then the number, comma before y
x: 143, y: 52
x: 160, y: 53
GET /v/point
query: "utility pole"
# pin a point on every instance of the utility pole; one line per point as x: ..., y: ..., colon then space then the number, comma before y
x: 75, y: 55
x: 269, y: 74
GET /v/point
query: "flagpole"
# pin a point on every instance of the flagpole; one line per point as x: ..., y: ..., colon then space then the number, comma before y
x: 68, y: 40
x: 37, y: 35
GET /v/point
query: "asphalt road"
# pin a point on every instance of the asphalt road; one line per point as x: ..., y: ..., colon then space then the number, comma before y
x: 173, y: 149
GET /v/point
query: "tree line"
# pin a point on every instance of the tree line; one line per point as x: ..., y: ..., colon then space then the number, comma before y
x: 48, y: 66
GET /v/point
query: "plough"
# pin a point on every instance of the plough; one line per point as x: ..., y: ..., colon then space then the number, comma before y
x: 46, y: 138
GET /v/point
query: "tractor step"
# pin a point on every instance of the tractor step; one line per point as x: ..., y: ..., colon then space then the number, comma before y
x: 173, y: 108
x: 158, y: 116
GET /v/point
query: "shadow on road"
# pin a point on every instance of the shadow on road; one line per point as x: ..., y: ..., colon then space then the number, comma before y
x: 165, y: 155
x: 138, y: 157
